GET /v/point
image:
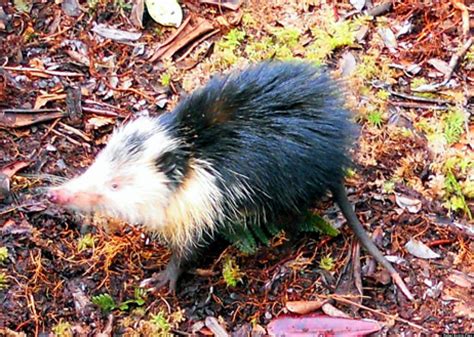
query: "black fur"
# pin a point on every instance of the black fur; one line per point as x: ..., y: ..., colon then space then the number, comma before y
x: 278, y: 128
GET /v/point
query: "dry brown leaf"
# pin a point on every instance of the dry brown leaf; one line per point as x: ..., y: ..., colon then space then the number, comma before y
x: 42, y: 100
x: 304, y: 307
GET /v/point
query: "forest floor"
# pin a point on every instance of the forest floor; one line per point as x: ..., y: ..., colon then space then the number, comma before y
x: 70, y: 72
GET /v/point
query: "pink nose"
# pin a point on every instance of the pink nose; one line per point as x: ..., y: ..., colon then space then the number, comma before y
x: 59, y: 197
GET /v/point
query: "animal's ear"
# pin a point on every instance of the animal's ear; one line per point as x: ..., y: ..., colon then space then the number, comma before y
x: 166, y: 162
x: 173, y: 164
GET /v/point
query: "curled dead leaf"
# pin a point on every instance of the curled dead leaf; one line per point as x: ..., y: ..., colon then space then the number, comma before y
x: 332, y: 311
x: 419, y: 249
x: 304, y: 307
x: 412, y: 205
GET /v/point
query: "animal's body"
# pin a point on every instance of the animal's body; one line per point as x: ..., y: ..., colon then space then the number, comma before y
x: 248, y: 147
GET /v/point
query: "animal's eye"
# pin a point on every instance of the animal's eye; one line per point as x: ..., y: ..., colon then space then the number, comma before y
x: 114, y: 186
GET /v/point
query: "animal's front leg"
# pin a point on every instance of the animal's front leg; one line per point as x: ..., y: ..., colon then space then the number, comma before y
x: 169, y: 276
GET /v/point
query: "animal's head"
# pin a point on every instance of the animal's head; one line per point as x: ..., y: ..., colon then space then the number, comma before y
x: 131, y: 178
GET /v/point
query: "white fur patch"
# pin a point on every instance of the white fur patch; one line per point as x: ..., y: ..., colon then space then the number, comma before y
x: 157, y: 142
x: 195, y: 208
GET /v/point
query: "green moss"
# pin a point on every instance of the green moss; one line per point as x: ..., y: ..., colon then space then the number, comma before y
x: 417, y: 82
x: 165, y: 79
x: 388, y: 187
x: 86, y: 241
x: 161, y: 323
x: 287, y: 36
x: 367, y: 68
x: 326, y: 263
x: 232, y: 40
x: 226, y: 49
x: 3, y: 254
x: 382, y: 94
x: 453, y: 125
x: 62, y: 329
x: 329, y: 36
x: 375, y: 118
x: 455, y: 192
x: 259, y: 50
x: 231, y: 273
x: 3, y: 281
x: 123, y: 4
x: 92, y: 4
x: 248, y: 21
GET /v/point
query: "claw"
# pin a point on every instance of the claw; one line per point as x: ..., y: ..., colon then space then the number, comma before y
x: 169, y: 277
x: 160, y: 280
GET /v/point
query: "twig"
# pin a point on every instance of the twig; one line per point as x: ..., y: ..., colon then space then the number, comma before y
x: 89, y: 101
x: 45, y: 71
x: 100, y: 112
x: 31, y: 304
x: 344, y: 300
x: 135, y: 91
x: 418, y: 98
x: 455, y: 60
x: 50, y: 128
x: 418, y: 105
x: 25, y: 111
x: 75, y: 131
x: 72, y: 140
x: 465, y: 15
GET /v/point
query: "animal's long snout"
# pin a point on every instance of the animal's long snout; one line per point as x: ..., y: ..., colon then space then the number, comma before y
x: 59, y: 196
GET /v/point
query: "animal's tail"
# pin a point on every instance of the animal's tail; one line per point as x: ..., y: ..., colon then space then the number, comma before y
x: 340, y: 196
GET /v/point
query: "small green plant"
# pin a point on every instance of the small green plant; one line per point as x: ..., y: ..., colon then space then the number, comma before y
x: 92, y: 4
x: 226, y: 48
x: 457, y: 201
x: 453, y: 125
x: 328, y: 36
x: 232, y: 40
x: 326, y: 263
x: 388, y: 186
x: 106, y: 302
x: 231, y: 273
x: 287, y: 36
x: 62, y: 329
x: 123, y: 4
x: 138, y: 299
x: 313, y: 223
x: 375, y: 118
x: 3, y: 254
x: 86, y: 241
x: 3, y: 281
x: 382, y: 94
x: 417, y: 82
x: 161, y: 322
x: 248, y: 20
x: 247, y: 237
x: 165, y: 79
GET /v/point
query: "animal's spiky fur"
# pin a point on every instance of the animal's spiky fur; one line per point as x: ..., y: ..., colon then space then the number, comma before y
x: 248, y: 146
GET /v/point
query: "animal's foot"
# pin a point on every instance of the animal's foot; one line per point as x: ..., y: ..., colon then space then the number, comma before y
x: 169, y: 277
